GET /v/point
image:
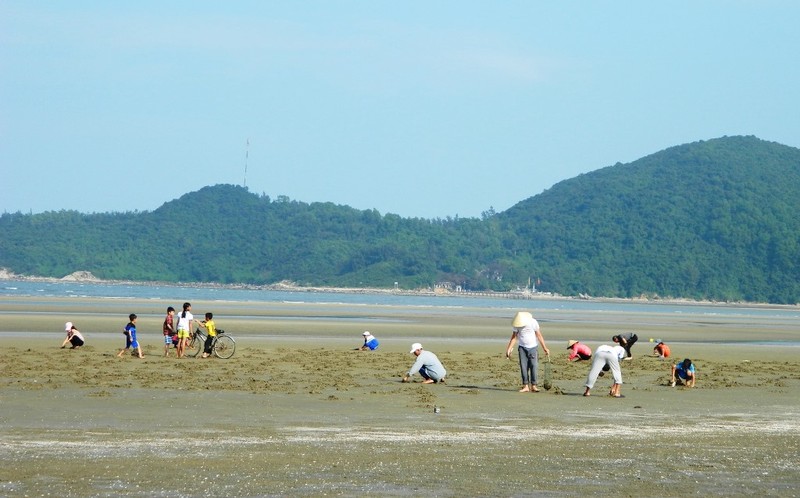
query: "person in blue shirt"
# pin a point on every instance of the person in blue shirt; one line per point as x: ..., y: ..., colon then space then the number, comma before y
x: 685, y: 371
x: 370, y: 342
x: 130, y: 337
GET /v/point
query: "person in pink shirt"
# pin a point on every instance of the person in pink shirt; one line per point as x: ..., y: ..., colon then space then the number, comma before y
x: 578, y: 351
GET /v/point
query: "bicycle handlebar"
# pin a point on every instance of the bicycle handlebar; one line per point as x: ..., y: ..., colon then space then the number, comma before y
x: 198, y: 331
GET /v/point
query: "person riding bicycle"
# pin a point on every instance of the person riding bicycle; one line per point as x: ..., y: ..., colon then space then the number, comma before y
x: 211, y: 328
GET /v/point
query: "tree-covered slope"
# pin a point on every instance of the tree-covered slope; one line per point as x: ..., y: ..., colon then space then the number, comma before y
x: 226, y: 234
x: 712, y: 219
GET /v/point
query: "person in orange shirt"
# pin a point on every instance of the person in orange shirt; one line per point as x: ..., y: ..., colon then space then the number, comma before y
x: 661, y: 350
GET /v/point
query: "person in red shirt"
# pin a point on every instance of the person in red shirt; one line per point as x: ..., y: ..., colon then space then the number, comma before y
x: 661, y: 350
x: 578, y: 351
x: 169, y: 330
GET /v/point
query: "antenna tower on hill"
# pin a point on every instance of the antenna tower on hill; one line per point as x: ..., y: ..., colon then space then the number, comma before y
x: 246, y: 155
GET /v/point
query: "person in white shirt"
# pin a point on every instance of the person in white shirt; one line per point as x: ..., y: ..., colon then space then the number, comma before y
x: 74, y: 337
x: 606, y: 356
x: 525, y: 330
x: 185, y: 322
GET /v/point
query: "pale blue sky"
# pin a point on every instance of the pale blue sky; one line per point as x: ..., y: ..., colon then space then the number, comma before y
x: 419, y: 108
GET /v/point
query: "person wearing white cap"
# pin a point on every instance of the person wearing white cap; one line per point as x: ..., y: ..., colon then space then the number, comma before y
x: 74, y: 337
x: 428, y: 366
x: 525, y: 329
x: 370, y: 342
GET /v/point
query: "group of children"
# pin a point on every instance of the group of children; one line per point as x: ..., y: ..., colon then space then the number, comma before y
x: 177, y: 333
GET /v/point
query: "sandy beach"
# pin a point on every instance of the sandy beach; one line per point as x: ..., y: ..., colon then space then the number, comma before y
x: 297, y: 411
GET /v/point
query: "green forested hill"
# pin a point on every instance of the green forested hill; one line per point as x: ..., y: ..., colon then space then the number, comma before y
x: 712, y: 219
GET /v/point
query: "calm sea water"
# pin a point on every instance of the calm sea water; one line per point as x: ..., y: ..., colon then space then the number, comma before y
x: 11, y: 288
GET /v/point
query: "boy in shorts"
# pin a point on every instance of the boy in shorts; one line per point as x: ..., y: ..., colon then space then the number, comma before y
x: 130, y: 337
x: 169, y: 331
x: 211, y: 329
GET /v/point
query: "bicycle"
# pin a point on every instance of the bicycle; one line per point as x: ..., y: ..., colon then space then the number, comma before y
x: 222, y: 347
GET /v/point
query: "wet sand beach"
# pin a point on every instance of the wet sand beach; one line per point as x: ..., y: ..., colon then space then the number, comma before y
x: 297, y: 411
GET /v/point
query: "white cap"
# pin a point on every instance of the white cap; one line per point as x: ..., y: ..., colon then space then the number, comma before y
x: 68, y: 326
x: 415, y: 347
x: 366, y: 333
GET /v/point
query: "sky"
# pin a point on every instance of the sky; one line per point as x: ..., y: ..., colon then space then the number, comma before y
x: 428, y: 109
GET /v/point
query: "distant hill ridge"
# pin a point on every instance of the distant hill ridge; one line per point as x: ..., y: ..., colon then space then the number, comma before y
x: 713, y: 219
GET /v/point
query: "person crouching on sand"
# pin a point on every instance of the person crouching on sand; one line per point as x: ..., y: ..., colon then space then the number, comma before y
x: 684, y: 371
x: 661, y: 350
x: 74, y: 337
x: 578, y: 351
x: 370, y: 342
x: 428, y: 366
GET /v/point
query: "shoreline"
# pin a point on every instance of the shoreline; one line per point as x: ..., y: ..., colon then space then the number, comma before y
x: 286, y: 286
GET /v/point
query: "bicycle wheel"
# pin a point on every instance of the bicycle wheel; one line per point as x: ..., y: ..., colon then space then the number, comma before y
x: 224, y: 346
x: 195, y: 346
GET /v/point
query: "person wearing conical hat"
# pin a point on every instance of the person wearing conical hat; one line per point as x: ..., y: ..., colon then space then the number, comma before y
x: 578, y: 351
x: 526, y: 332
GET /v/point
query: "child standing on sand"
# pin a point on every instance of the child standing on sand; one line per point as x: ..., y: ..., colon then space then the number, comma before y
x: 211, y: 329
x: 169, y: 330
x: 184, y: 328
x: 130, y: 337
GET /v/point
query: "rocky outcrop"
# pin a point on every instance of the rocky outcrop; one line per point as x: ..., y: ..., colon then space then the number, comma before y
x: 80, y: 276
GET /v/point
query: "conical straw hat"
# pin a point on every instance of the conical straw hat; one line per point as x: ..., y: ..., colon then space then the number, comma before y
x: 521, y: 319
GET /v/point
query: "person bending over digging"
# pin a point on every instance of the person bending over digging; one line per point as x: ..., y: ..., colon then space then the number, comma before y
x: 626, y: 341
x: 606, y: 356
